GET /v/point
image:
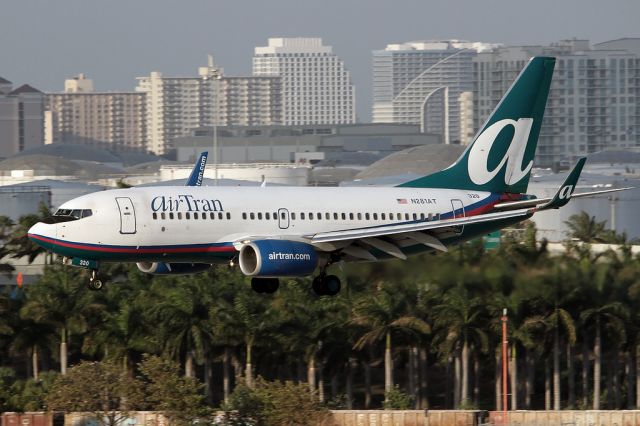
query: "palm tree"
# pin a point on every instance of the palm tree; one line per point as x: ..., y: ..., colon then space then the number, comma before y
x: 458, y: 324
x: 383, y: 313
x: 603, y: 311
x: 60, y: 300
x: 181, y: 313
x: 20, y: 244
x: 585, y: 228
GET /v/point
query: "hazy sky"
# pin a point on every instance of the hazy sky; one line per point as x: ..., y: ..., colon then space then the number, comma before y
x: 42, y: 42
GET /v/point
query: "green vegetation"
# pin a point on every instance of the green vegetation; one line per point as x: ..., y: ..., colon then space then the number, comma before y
x: 424, y: 333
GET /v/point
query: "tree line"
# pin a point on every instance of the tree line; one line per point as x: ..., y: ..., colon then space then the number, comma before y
x: 422, y: 333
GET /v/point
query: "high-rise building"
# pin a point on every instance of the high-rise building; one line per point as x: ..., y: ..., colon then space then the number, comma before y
x: 427, y: 83
x: 594, y: 101
x: 110, y: 120
x: 21, y: 118
x: 177, y: 105
x: 316, y: 86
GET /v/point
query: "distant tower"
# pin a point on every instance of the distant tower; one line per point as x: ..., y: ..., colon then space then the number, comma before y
x: 316, y: 86
x: 78, y: 84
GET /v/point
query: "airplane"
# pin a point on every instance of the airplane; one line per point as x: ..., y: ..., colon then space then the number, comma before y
x: 274, y: 232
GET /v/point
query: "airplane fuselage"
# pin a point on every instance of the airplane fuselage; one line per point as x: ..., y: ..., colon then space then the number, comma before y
x: 201, y: 224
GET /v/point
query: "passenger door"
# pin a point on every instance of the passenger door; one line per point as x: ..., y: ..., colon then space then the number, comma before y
x: 283, y: 218
x: 127, y: 215
x: 458, y: 212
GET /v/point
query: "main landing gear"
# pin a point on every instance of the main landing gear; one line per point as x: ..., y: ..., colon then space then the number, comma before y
x: 265, y: 285
x: 326, y: 285
x: 94, y: 283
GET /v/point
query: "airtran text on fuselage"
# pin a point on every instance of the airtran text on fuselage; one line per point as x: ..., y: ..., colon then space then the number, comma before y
x: 186, y: 203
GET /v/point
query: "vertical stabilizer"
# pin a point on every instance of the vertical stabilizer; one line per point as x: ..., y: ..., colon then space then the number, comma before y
x: 501, y: 155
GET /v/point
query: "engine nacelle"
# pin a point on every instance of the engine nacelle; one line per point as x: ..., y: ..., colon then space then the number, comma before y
x: 162, y: 268
x: 277, y: 258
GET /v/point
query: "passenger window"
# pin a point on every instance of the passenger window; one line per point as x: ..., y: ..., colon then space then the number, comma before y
x: 155, y: 215
x: 187, y: 215
x: 335, y: 216
x: 293, y: 216
x: 421, y: 216
x: 366, y: 216
x: 275, y: 216
x: 204, y: 216
x: 162, y: 215
x: 310, y: 216
x: 390, y: 216
x: 319, y: 216
x: 259, y: 216
x: 301, y: 216
x: 375, y: 216
x: 171, y: 216
x: 195, y: 215
x: 359, y: 216
x: 228, y: 215
x: 328, y: 216
x: 406, y: 216
x: 252, y: 216
x: 244, y: 216
x: 179, y: 215
x: 212, y: 215
x: 344, y: 216
x: 350, y: 216
x: 267, y: 216
x: 415, y: 216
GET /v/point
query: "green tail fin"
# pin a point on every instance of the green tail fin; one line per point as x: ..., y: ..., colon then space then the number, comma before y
x: 501, y: 155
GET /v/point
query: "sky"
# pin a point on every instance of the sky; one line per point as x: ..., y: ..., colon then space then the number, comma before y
x: 43, y: 42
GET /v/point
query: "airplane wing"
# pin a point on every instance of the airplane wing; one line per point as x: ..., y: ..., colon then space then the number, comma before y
x: 351, y: 241
x: 195, y: 178
x: 562, y: 196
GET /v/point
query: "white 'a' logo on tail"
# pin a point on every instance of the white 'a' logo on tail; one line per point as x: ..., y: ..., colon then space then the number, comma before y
x: 478, y: 160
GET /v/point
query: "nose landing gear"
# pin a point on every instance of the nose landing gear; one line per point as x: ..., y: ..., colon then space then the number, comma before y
x: 94, y: 283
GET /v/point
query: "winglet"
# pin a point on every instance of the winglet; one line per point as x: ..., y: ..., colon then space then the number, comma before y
x: 563, y: 195
x: 195, y: 178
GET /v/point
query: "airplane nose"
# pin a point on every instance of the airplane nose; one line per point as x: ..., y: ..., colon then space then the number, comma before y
x: 40, y: 231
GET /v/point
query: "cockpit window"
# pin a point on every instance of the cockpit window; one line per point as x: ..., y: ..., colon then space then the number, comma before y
x: 75, y: 213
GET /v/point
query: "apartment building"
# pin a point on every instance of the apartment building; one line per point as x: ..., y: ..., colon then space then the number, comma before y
x: 316, y: 86
x: 21, y: 118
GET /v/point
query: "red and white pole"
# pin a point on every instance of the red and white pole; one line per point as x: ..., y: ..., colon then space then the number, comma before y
x: 505, y: 366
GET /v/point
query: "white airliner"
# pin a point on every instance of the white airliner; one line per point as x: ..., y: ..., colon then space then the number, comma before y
x: 273, y: 232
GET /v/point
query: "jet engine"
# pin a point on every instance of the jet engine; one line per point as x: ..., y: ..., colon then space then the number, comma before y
x: 277, y: 258
x: 162, y: 268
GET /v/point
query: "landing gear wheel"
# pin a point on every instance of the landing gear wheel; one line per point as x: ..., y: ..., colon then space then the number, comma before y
x: 265, y: 285
x: 95, y: 285
x: 317, y: 286
x: 331, y: 285
x: 326, y: 285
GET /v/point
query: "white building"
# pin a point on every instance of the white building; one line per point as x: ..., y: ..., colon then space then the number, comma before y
x: 109, y: 120
x: 425, y: 83
x: 594, y: 102
x: 177, y: 105
x: 316, y: 86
